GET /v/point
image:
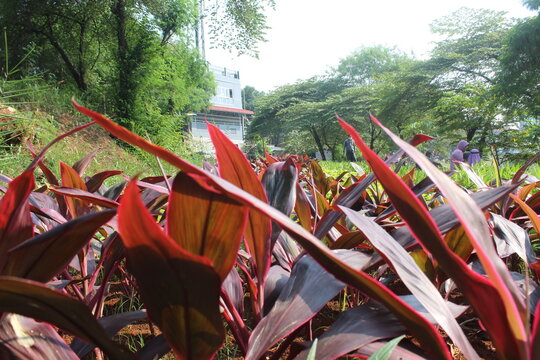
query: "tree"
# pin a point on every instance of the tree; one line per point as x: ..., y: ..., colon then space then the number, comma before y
x: 72, y: 31
x: 519, y: 73
x: 270, y: 119
x: 464, y: 65
x: 365, y: 65
x: 250, y: 95
x: 237, y: 25
x: 469, y: 52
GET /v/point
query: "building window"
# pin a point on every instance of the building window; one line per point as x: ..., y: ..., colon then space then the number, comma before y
x: 224, y: 92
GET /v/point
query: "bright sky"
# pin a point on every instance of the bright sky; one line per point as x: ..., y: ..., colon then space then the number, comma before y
x: 307, y: 37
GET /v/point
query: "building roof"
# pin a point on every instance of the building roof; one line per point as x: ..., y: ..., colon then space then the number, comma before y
x: 231, y: 110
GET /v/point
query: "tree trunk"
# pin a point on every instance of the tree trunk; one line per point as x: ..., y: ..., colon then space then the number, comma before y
x: 318, y: 142
x: 470, y: 133
x: 78, y: 76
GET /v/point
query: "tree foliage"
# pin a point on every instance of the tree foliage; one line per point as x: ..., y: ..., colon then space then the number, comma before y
x: 134, y: 59
x: 480, y: 83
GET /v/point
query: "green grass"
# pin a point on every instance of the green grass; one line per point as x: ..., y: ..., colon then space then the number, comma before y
x: 485, y: 170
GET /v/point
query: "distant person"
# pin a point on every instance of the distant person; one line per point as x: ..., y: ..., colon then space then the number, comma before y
x: 350, y: 149
x: 457, y: 154
x: 474, y: 157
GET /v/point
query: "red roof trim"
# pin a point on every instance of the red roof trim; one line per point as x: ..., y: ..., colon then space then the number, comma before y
x: 231, y: 110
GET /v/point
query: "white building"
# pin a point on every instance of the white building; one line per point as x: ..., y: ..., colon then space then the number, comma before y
x: 226, y: 111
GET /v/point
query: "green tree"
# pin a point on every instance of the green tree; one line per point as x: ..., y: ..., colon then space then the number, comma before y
x: 464, y: 65
x: 70, y: 35
x: 250, y: 95
x: 519, y: 73
x: 237, y: 25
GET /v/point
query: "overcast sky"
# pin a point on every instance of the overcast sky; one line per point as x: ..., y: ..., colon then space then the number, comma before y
x: 307, y: 37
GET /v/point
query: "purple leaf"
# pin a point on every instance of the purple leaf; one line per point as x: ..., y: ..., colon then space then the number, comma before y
x: 510, y: 238
x: 81, y: 165
x: 308, y: 289
x: 45, y: 255
x: 415, y: 280
x: 25, y: 338
x: 232, y: 285
x: 112, y: 324
x: 279, y: 181
x: 275, y: 282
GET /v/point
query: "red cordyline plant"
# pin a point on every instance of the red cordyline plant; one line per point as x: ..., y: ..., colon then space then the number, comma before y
x: 265, y: 254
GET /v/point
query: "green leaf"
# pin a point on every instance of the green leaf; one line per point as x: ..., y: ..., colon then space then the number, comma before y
x: 385, y: 352
x: 313, y: 350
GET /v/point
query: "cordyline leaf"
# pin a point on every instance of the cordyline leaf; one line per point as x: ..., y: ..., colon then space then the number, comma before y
x: 180, y: 290
x: 313, y: 350
x: 385, y: 352
x: 155, y: 348
x: 415, y: 280
x: 418, y: 189
x: 83, y: 164
x: 423, y: 261
x: 302, y: 208
x: 308, y: 289
x: 235, y: 168
x: 277, y: 279
x: 71, y: 179
x: 444, y: 217
x: 353, y: 193
x: 459, y: 242
x: 399, y: 353
x: 535, y: 335
x: 112, y: 324
x: 51, y: 178
x: 355, y: 328
x: 25, y: 338
x: 478, y: 290
x: 45, y: 255
x: 474, y: 223
x: 533, y: 216
x: 349, y: 240
x: 286, y: 251
x: 517, y: 176
x: 232, y: 286
x: 205, y: 223
x: 93, y: 184
x: 320, y: 178
x: 279, y: 181
x: 33, y: 299
x: 426, y: 335
x: 15, y: 220
x: 85, y: 196
x: 362, y: 325
x: 511, y: 238
x: 477, y: 180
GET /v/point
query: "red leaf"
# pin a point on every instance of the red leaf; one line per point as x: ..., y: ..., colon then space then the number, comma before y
x: 311, y: 244
x: 415, y: 280
x: 85, y: 197
x: 235, y: 168
x: 45, y: 255
x: 205, y: 223
x: 81, y: 165
x: 97, y: 180
x: 535, y: 335
x: 479, y: 291
x: 32, y: 299
x: 15, y: 220
x: 71, y: 179
x: 180, y: 290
